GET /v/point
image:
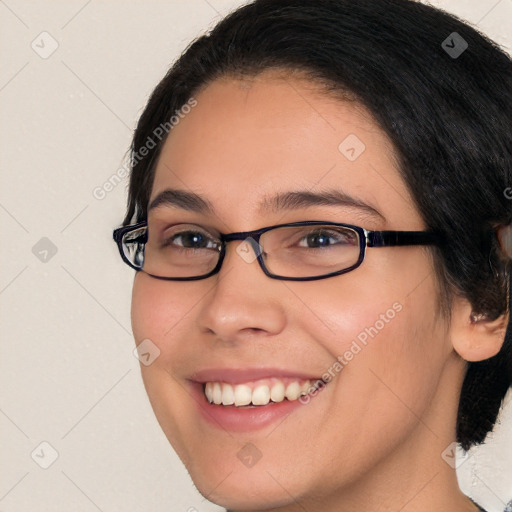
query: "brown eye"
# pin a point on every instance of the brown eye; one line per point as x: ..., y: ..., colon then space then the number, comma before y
x: 193, y: 238
x: 323, y: 238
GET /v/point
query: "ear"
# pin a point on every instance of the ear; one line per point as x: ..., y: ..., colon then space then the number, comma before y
x: 475, y: 337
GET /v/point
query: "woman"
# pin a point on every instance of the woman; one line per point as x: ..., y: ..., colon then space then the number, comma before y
x: 329, y: 363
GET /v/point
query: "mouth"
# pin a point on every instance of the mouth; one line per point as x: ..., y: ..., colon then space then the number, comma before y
x: 258, y: 393
x: 249, y: 399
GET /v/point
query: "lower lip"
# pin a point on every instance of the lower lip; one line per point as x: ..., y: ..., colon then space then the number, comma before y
x: 244, y: 419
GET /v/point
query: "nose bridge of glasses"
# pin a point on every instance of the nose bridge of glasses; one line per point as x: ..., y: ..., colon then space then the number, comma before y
x: 236, y: 236
x: 248, y: 238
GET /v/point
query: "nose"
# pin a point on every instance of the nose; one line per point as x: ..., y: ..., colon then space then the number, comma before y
x: 244, y: 301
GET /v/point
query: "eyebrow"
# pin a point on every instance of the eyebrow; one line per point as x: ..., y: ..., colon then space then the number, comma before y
x: 292, y: 200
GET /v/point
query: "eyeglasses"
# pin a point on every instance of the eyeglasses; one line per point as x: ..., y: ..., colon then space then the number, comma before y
x: 298, y: 251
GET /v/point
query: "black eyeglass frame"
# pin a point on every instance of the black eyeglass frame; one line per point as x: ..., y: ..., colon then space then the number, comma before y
x: 366, y: 239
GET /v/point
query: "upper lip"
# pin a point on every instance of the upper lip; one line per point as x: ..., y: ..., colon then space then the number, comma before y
x: 240, y: 375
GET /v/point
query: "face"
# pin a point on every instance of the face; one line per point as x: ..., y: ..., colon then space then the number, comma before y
x: 373, y: 334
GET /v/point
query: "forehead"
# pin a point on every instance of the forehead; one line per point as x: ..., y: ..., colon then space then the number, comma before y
x: 247, y: 139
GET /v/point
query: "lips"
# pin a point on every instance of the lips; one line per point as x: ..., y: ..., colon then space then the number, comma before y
x: 242, y: 375
x: 215, y: 392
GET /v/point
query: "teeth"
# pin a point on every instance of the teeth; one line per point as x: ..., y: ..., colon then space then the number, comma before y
x: 293, y: 391
x: 277, y: 392
x: 255, y: 393
x: 261, y: 395
x: 208, y: 391
x: 305, y: 388
x: 228, y: 395
x: 217, y: 393
x: 243, y: 395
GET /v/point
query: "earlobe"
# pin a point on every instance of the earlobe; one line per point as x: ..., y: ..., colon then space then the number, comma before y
x: 476, y: 337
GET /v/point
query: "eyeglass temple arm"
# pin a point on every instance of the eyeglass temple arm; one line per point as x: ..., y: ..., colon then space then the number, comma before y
x: 390, y: 238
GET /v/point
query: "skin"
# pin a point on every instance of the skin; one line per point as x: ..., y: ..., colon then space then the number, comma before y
x: 373, y: 438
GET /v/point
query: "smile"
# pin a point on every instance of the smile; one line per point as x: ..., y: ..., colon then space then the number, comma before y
x: 257, y: 393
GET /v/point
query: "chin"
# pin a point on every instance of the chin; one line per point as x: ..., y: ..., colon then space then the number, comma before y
x: 239, y: 491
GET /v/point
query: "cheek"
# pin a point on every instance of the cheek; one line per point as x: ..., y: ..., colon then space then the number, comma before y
x: 389, y: 316
x: 387, y: 346
x: 158, y: 310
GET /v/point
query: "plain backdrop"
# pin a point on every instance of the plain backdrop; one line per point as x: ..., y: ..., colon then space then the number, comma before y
x: 77, y: 430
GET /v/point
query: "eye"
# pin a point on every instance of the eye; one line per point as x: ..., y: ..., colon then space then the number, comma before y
x: 192, y: 238
x: 320, y: 238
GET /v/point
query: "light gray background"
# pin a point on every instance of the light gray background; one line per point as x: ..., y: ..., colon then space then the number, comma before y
x: 68, y: 375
